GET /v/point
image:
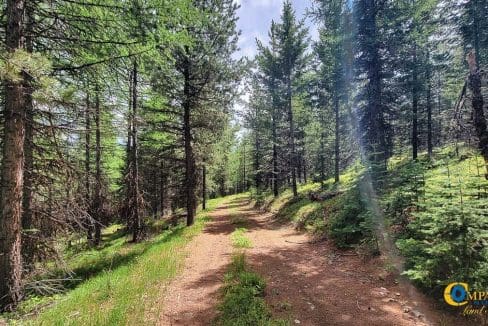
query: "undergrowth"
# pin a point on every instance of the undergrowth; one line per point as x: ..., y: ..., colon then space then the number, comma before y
x: 435, y: 209
x: 117, y: 284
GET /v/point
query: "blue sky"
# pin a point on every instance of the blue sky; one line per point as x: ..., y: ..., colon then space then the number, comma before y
x: 255, y: 20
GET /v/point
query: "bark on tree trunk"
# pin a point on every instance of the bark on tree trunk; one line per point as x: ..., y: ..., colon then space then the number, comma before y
x: 12, y: 167
x: 430, y: 144
x: 162, y: 194
x: 28, y: 239
x: 244, y: 172
x: 337, y: 138
x: 135, y: 203
x: 190, y: 165
x: 132, y: 180
x: 128, y: 167
x: 257, y: 165
x: 97, y: 201
x: 89, y: 222
x: 478, y: 113
x: 275, y: 155
x: 322, y: 158
x: 415, y: 137
x: 204, y: 187
x: 376, y: 136
x: 292, y: 140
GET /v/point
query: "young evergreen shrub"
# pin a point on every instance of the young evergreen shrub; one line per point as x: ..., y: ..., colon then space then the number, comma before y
x: 447, y: 239
x: 405, y: 186
x: 352, y: 222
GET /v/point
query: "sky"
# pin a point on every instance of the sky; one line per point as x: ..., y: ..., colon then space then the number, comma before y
x: 255, y: 18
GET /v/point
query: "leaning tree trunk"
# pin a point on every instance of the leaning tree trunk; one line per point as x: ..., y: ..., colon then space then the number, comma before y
x: 12, y: 167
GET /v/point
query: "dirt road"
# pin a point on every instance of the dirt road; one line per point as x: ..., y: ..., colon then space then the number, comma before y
x: 308, y: 283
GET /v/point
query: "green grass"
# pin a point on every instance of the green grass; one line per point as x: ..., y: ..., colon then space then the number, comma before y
x: 303, y: 212
x: 242, y: 302
x: 239, y: 240
x: 120, y: 283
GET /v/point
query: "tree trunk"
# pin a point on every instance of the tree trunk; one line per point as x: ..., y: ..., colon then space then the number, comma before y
x: 204, y: 187
x: 415, y: 136
x: 275, y: 155
x: 128, y: 167
x: 478, y: 113
x: 439, y: 111
x: 12, y: 167
x: 292, y: 139
x: 430, y: 144
x: 257, y: 161
x: 299, y: 167
x: 89, y: 222
x: 190, y: 165
x: 337, y: 138
x: 322, y: 157
x: 28, y: 239
x: 134, y: 203
x: 162, y: 191
x: 244, y: 171
x: 97, y: 201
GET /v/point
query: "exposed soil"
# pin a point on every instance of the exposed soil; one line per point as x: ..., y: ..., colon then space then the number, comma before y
x: 192, y: 297
x: 308, y: 283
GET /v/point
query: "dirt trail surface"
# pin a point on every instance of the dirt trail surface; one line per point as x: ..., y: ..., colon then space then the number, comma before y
x: 192, y: 297
x: 307, y: 283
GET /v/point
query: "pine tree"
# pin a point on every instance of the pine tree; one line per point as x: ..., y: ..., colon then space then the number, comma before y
x: 292, y: 43
x: 204, y: 77
x: 331, y: 50
x: 373, y: 126
x: 12, y: 164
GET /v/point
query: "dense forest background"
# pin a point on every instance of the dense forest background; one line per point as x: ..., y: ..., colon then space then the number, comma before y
x: 124, y: 112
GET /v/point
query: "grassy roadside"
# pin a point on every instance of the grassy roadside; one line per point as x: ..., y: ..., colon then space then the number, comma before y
x: 126, y: 285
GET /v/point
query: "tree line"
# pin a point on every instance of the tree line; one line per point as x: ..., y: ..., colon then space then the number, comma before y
x: 381, y: 77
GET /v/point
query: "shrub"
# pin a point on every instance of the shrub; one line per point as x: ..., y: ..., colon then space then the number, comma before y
x: 447, y: 239
x: 350, y: 221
